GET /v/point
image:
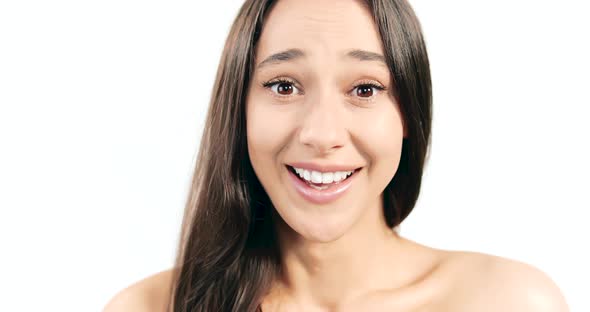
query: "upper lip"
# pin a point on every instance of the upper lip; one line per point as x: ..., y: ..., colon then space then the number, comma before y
x: 323, y: 167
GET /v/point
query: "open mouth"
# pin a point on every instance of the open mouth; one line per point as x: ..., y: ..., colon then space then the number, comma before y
x: 327, y: 179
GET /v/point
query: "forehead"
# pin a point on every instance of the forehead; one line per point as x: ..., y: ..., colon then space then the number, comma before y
x: 323, y: 28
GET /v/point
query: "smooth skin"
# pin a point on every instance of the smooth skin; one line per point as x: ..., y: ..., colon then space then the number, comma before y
x: 341, y: 256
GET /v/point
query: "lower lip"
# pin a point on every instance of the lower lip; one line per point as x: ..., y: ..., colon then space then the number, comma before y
x: 331, y: 193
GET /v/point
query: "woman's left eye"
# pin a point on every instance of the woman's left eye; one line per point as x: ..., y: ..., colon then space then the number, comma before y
x: 367, y: 90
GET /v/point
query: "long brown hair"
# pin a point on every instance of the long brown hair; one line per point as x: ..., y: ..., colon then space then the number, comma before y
x: 227, y: 255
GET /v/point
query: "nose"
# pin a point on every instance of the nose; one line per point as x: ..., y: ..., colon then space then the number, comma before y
x: 322, y: 127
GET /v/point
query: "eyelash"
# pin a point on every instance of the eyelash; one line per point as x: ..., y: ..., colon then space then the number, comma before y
x: 269, y: 84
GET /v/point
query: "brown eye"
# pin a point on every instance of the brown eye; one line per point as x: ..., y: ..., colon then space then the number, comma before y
x: 364, y: 91
x: 285, y: 88
x: 282, y: 87
x: 368, y: 91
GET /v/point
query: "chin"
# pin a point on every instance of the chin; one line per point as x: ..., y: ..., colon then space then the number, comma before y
x: 321, y: 230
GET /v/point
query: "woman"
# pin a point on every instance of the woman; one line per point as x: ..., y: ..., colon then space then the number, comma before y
x: 312, y: 156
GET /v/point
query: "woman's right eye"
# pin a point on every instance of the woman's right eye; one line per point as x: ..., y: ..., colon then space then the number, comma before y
x: 282, y: 87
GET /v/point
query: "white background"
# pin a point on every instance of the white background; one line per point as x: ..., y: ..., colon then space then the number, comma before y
x: 102, y: 106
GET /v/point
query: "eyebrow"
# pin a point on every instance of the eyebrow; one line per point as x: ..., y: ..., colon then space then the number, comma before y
x: 294, y: 54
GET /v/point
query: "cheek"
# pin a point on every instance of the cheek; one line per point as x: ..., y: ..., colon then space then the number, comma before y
x: 385, y: 134
x: 382, y: 138
x: 267, y: 131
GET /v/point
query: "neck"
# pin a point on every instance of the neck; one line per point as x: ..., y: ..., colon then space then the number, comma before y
x: 330, y: 274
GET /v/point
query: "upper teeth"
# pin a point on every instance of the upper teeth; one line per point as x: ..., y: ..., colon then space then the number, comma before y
x: 322, y: 177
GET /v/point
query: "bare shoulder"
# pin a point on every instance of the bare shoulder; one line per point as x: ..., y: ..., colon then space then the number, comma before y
x: 486, y: 282
x: 150, y: 294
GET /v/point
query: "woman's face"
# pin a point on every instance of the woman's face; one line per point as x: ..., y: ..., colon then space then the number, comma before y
x: 318, y: 106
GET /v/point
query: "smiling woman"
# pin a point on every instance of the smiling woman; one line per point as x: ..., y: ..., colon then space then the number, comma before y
x: 312, y: 156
